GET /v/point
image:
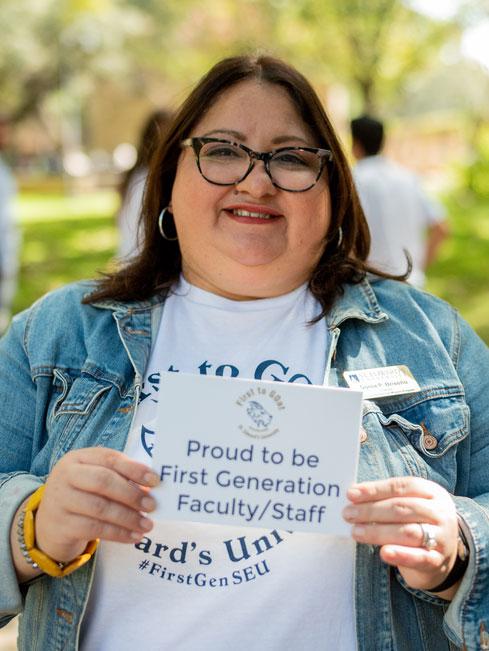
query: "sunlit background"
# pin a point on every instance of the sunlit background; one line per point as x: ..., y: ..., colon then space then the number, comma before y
x: 78, y: 78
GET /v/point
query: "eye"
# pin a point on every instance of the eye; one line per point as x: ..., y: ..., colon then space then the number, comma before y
x: 292, y: 158
x: 220, y: 151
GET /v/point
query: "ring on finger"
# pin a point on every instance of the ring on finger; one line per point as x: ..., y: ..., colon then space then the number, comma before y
x: 429, y: 540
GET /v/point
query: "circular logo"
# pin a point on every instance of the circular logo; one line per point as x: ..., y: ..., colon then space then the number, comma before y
x: 260, y: 405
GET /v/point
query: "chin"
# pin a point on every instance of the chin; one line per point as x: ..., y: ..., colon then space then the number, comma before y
x: 259, y: 281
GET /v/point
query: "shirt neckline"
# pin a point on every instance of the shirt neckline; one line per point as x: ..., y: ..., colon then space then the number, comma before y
x: 200, y: 296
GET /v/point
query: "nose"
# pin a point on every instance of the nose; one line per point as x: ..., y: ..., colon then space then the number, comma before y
x: 257, y: 183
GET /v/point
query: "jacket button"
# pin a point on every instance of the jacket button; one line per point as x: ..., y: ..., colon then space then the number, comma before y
x: 430, y: 442
x: 363, y: 435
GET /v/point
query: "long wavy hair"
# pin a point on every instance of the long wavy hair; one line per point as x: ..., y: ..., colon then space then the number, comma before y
x: 347, y: 242
x: 152, y: 132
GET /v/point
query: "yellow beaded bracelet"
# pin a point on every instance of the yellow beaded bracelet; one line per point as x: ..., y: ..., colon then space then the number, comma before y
x: 34, y: 556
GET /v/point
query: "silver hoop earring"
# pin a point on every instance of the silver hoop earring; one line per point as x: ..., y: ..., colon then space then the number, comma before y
x: 161, y: 228
x: 340, y: 236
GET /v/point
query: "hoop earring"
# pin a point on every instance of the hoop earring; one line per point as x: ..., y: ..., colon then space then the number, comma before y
x: 340, y: 236
x: 161, y: 228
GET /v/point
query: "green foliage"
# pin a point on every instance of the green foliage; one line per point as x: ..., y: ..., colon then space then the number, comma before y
x: 461, y: 273
x: 62, y: 47
x: 57, y: 48
x: 69, y: 238
x: 476, y: 173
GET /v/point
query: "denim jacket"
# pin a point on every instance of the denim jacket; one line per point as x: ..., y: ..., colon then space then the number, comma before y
x: 70, y: 377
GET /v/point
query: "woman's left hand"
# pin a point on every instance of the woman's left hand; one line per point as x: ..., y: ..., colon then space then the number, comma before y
x: 390, y: 512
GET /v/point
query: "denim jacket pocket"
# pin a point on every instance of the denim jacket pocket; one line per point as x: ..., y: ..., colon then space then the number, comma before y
x: 434, y: 422
x: 74, y: 409
x: 61, y: 385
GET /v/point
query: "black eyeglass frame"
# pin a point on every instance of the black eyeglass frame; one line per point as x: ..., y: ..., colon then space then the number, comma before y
x: 326, y: 156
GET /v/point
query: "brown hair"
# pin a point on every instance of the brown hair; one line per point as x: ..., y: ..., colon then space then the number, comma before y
x: 152, y: 132
x: 159, y: 262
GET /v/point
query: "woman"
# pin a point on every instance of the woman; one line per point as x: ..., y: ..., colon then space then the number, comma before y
x: 258, y: 254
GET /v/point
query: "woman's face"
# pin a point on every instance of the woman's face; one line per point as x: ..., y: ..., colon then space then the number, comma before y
x: 246, y: 256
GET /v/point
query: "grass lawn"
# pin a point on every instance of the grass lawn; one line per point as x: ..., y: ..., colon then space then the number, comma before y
x: 71, y: 237
x: 64, y: 239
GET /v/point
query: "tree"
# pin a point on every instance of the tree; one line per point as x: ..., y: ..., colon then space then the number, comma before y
x: 61, y: 48
x: 56, y: 49
x: 375, y: 45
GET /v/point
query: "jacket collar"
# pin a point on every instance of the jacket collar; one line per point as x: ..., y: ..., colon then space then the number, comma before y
x: 356, y: 302
x: 129, y: 307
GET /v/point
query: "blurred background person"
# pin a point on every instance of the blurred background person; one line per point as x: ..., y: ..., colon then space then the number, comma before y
x: 9, y: 232
x: 401, y: 216
x: 131, y: 189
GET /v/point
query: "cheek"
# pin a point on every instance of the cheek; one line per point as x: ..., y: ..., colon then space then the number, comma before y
x: 183, y: 186
x: 193, y: 198
x: 315, y: 218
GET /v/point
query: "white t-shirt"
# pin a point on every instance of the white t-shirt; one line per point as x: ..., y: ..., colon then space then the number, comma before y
x: 398, y: 213
x: 190, y: 586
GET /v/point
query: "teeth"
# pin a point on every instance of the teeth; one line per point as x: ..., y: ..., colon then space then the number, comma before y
x: 247, y: 213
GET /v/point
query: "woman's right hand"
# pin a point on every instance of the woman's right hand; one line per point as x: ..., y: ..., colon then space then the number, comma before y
x: 93, y: 493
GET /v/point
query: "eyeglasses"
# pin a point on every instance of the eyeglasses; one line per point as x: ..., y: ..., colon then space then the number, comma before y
x: 294, y: 169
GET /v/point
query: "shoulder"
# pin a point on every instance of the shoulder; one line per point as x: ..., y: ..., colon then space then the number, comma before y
x: 374, y: 170
x: 61, y: 315
x: 67, y: 299
x: 416, y: 310
x: 396, y: 295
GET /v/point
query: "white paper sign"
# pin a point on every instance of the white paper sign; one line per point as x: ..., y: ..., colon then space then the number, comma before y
x: 262, y: 454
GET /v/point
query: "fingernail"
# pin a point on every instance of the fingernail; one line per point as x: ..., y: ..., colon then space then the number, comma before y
x: 148, y: 504
x: 358, y: 531
x: 354, y: 492
x: 151, y: 479
x: 136, y: 535
x: 350, y: 512
x: 146, y: 524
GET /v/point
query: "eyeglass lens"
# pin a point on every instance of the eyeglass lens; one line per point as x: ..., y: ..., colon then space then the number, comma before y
x: 290, y: 169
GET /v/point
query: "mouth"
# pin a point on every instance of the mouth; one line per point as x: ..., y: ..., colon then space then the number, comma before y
x: 253, y: 215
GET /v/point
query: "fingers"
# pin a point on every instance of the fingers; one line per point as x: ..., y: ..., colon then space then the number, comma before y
x: 94, y: 493
x: 107, y: 483
x: 119, y: 463
x: 393, y: 487
x: 398, y: 510
x: 108, y: 511
x: 415, y: 558
x: 389, y: 513
x: 87, y: 528
x: 407, y: 535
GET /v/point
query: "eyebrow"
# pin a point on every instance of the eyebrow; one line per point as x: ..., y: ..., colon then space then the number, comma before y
x: 240, y: 136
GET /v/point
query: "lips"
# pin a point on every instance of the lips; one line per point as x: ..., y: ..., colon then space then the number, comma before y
x: 252, y: 212
x: 256, y: 215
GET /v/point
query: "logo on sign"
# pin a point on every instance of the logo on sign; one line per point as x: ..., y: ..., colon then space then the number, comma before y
x: 259, y: 415
x: 261, y: 405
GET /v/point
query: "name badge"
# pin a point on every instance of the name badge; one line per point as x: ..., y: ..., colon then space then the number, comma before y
x: 382, y: 382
